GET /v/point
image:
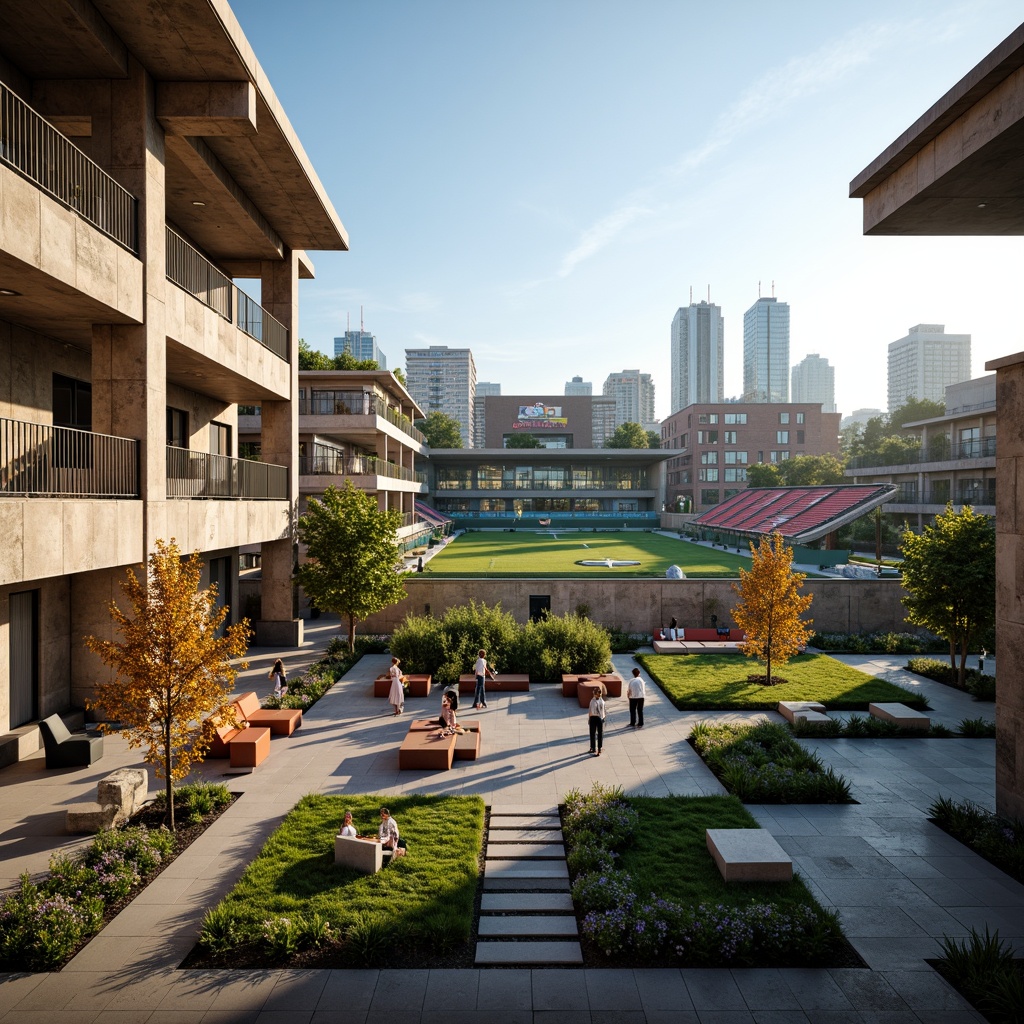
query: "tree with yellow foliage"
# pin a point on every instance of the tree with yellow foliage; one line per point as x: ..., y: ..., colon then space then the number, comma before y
x: 770, y: 607
x: 172, y: 669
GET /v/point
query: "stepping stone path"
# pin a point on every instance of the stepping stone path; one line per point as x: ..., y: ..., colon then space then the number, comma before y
x: 526, y: 912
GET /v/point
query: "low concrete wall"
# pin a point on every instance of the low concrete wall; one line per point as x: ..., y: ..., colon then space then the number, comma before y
x: 841, y: 606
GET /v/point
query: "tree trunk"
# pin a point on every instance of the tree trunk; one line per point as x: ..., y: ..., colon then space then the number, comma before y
x: 961, y: 677
x: 351, y: 634
x: 168, y: 765
x: 952, y: 654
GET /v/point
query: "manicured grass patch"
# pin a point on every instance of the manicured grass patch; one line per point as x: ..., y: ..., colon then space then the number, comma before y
x: 661, y: 901
x: 540, y: 554
x: 707, y: 682
x: 762, y: 763
x: 999, y: 840
x: 292, y: 898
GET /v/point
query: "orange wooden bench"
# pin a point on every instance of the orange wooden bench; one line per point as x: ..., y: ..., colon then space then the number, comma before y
x: 504, y: 683
x: 244, y: 747
x: 611, y: 683
x: 280, y: 721
x: 419, y: 685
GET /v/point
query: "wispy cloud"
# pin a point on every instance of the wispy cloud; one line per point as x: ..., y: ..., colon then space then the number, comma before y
x: 596, y: 237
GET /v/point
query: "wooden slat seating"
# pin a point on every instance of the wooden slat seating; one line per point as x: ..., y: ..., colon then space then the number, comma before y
x: 419, y: 685
x: 505, y: 682
x: 280, y: 721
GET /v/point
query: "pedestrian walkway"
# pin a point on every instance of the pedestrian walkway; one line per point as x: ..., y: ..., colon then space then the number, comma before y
x: 526, y: 902
x: 897, y: 881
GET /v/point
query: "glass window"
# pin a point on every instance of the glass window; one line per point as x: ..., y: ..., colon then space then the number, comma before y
x: 702, y: 418
x: 738, y: 418
x: 177, y: 428
x: 799, y: 417
x: 709, y: 458
x: 488, y: 478
x: 709, y: 475
x: 783, y: 417
x: 72, y: 402
x: 730, y: 437
x: 732, y: 458
x: 782, y: 437
x: 800, y: 437
x: 709, y: 497
x: 733, y: 475
x: 713, y: 418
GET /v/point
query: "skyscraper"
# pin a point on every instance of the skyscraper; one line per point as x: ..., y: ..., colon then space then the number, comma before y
x: 483, y: 389
x: 923, y: 363
x: 633, y: 392
x: 443, y: 379
x: 814, y: 380
x: 766, y: 351
x: 363, y: 345
x: 579, y: 386
x: 698, y: 355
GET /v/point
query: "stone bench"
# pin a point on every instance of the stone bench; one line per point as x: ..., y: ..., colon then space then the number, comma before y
x: 504, y: 683
x: 806, y: 710
x: 748, y: 855
x: 904, y: 717
x: 419, y: 685
x: 695, y: 647
x: 359, y: 854
x: 118, y: 797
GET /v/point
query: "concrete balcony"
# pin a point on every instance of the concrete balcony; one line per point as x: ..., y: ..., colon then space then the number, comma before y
x: 359, y: 417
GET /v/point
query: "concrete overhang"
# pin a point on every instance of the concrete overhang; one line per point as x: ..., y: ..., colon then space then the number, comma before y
x: 620, y: 456
x: 211, y: 89
x: 959, y: 169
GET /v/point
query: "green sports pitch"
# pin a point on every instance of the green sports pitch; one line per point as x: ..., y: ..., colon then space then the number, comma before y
x: 557, y: 554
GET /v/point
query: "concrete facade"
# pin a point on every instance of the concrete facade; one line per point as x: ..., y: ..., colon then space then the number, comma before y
x: 956, y: 171
x: 125, y: 347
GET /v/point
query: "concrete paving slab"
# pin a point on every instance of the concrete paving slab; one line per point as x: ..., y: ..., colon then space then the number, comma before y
x: 497, y: 903
x: 525, y: 851
x: 513, y: 884
x: 528, y: 953
x: 525, y: 835
x: 539, y: 924
x: 516, y: 869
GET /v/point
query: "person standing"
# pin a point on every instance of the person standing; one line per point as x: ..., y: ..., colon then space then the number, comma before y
x: 595, y: 719
x: 481, y: 670
x: 396, y: 695
x: 636, y: 693
x: 280, y: 677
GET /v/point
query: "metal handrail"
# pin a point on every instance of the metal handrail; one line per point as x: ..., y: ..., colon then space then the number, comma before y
x: 340, y: 464
x: 188, y: 268
x: 30, y: 145
x: 358, y: 403
x: 980, y: 448
x: 201, y: 475
x: 37, y: 459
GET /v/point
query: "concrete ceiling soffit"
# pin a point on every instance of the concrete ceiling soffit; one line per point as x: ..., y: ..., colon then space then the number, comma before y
x: 253, y: 269
x: 230, y: 224
x: 206, y: 108
x: 60, y: 39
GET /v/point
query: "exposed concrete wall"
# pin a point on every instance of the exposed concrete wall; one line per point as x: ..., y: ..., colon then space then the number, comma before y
x: 848, y: 606
x: 28, y: 361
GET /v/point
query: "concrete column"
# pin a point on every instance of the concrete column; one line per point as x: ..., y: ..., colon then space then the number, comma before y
x: 1010, y: 585
x: 280, y: 624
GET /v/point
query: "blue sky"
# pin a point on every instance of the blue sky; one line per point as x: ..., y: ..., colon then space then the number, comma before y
x: 544, y: 182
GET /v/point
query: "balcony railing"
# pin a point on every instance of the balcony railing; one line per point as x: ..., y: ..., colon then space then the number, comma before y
x: 329, y: 464
x: 199, y: 475
x: 37, y: 460
x: 975, y: 496
x: 980, y: 448
x: 35, y: 149
x: 188, y: 268
x: 357, y: 403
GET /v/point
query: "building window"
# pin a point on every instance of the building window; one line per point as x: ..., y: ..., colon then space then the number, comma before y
x: 220, y: 438
x: 709, y: 497
x: 709, y: 458
x: 800, y: 437
x: 782, y: 437
x: 799, y: 417
x: 177, y: 428
x: 737, y: 418
x: 72, y: 402
x: 709, y: 476
x: 730, y: 436
x: 733, y: 475
x: 784, y: 417
x: 707, y: 437
x: 779, y: 456
x: 734, y: 458
x: 760, y: 456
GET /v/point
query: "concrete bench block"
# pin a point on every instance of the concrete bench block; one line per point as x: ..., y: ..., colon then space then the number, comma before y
x: 249, y: 748
x: 906, y: 718
x: 90, y: 817
x: 363, y: 855
x: 126, y: 789
x: 419, y: 685
x: 791, y: 709
x: 426, y: 751
x: 748, y: 855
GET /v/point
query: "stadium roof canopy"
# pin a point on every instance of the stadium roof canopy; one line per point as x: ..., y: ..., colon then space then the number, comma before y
x: 800, y: 514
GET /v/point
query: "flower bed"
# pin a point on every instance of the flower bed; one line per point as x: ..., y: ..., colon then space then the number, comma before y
x: 869, y: 727
x: 878, y: 643
x: 305, y: 690
x: 999, y: 840
x: 980, y: 686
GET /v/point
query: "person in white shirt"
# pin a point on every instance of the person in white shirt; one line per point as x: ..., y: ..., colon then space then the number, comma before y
x: 636, y: 693
x: 595, y: 715
x: 347, y: 828
x: 481, y: 671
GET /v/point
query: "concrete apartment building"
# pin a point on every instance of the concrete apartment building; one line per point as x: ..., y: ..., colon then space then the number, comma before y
x: 145, y: 163
x: 697, y: 355
x: 957, y: 460
x: 443, y: 379
x: 925, y: 362
x: 579, y: 386
x: 813, y: 379
x: 633, y: 392
x: 361, y: 345
x: 766, y: 351
x: 956, y: 171
x: 714, y: 443
x: 483, y: 389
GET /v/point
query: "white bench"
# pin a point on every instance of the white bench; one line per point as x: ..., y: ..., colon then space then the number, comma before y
x: 806, y: 710
x: 904, y: 717
x: 749, y: 855
x: 359, y: 854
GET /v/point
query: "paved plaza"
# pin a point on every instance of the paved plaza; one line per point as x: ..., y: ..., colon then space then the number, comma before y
x: 898, y: 882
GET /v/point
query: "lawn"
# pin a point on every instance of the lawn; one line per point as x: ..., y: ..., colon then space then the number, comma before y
x: 707, y: 682
x: 421, y: 904
x: 541, y: 554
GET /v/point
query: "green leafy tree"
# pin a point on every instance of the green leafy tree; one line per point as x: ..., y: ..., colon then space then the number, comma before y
x: 399, y: 375
x: 764, y: 474
x: 628, y: 435
x: 653, y: 439
x: 313, y: 359
x: 949, y: 572
x: 351, y: 555
x: 523, y: 440
x: 914, y: 409
x: 770, y: 605
x: 851, y: 440
x: 896, y: 449
x: 347, y: 361
x: 173, y: 670
x: 811, y: 471
x: 441, y: 430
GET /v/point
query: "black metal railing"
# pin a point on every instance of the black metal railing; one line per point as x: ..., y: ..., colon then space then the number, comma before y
x: 188, y: 268
x: 970, y: 496
x: 30, y: 145
x: 940, y: 451
x: 199, y: 475
x: 341, y: 464
x: 61, y: 462
x: 357, y: 403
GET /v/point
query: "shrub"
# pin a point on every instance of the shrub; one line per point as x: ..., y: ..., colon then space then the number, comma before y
x: 220, y: 931
x: 622, y: 642
x: 878, y: 643
x: 976, y: 727
x: 999, y: 840
x: 280, y: 936
x: 981, y: 687
x: 556, y: 644
x: 983, y: 969
x: 369, y: 937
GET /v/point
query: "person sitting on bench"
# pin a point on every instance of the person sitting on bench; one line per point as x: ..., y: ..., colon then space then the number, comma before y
x: 391, y: 843
x: 448, y: 721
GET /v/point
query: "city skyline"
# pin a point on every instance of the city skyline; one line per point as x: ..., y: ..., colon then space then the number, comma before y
x: 540, y: 234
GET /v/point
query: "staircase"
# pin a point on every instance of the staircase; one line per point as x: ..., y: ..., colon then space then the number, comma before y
x: 526, y: 913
